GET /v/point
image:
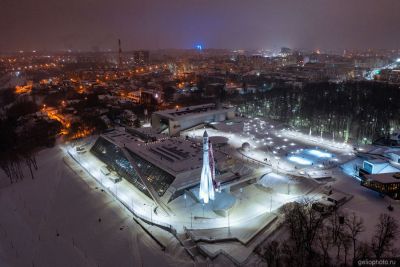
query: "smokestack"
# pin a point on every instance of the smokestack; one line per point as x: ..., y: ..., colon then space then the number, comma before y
x: 119, y: 54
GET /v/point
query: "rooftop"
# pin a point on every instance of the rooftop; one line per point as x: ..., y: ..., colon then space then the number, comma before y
x: 145, y: 133
x: 377, y: 161
x: 174, y: 155
x: 384, y: 178
x: 395, y: 152
x: 189, y: 111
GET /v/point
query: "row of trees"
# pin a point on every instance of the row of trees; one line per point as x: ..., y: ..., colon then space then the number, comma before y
x: 20, y: 139
x: 354, y: 110
x: 334, y: 240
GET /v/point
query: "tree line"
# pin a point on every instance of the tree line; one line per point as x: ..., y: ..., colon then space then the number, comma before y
x: 21, y: 135
x: 352, y: 110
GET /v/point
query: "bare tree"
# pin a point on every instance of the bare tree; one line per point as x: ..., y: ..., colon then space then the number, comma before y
x: 345, y: 240
x: 303, y: 223
x: 385, y: 233
x: 363, y: 251
x: 11, y: 165
x: 289, y: 255
x: 272, y: 254
x: 354, y: 226
x: 325, y: 243
x: 30, y: 162
x: 337, y: 231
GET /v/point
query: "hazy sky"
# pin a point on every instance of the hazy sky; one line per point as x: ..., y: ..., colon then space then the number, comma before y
x: 153, y: 24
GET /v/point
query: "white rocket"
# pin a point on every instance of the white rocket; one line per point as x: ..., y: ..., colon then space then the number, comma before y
x: 208, y: 172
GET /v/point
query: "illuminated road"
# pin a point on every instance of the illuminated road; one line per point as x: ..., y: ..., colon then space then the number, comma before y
x: 370, y: 75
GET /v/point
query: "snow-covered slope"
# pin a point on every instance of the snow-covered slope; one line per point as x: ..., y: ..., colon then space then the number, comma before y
x: 53, y: 220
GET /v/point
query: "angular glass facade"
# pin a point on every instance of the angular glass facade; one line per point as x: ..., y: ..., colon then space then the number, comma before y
x: 113, y: 156
x: 160, y: 180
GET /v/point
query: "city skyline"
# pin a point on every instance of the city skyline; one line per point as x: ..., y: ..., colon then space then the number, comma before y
x: 199, y: 132
x: 96, y: 25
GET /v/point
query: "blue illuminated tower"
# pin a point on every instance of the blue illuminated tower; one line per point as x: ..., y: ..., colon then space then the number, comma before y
x: 208, y: 172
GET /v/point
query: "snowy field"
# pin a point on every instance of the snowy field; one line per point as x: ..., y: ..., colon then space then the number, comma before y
x: 60, y: 219
x: 292, y: 152
x: 366, y: 203
x: 63, y: 218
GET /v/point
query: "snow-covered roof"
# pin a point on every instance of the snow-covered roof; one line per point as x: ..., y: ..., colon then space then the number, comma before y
x: 384, y: 177
x: 377, y: 161
x: 180, y: 113
x: 395, y: 152
x: 174, y: 155
x: 381, y: 166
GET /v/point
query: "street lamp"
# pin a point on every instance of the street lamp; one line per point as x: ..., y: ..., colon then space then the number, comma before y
x: 270, y: 203
x: 229, y: 224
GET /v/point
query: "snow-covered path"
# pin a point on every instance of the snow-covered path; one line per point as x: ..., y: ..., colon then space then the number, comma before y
x: 60, y: 219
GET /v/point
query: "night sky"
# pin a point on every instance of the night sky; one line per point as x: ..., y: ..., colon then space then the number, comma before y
x: 155, y: 24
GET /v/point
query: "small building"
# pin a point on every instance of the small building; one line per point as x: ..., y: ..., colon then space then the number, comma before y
x: 336, y: 198
x: 384, y: 183
x: 324, y: 206
x: 176, y: 120
x: 150, y: 97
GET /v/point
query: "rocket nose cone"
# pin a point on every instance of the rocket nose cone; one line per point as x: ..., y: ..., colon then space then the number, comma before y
x: 205, y: 134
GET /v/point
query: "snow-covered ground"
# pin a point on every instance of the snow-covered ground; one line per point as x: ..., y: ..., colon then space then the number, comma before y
x: 53, y: 220
x: 285, y: 151
x: 63, y: 218
x: 365, y: 203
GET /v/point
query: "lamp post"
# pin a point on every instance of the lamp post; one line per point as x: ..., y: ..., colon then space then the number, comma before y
x: 229, y: 224
x: 270, y: 204
x: 151, y: 214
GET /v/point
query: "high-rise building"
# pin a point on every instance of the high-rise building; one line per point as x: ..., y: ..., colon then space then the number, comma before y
x: 141, y: 57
